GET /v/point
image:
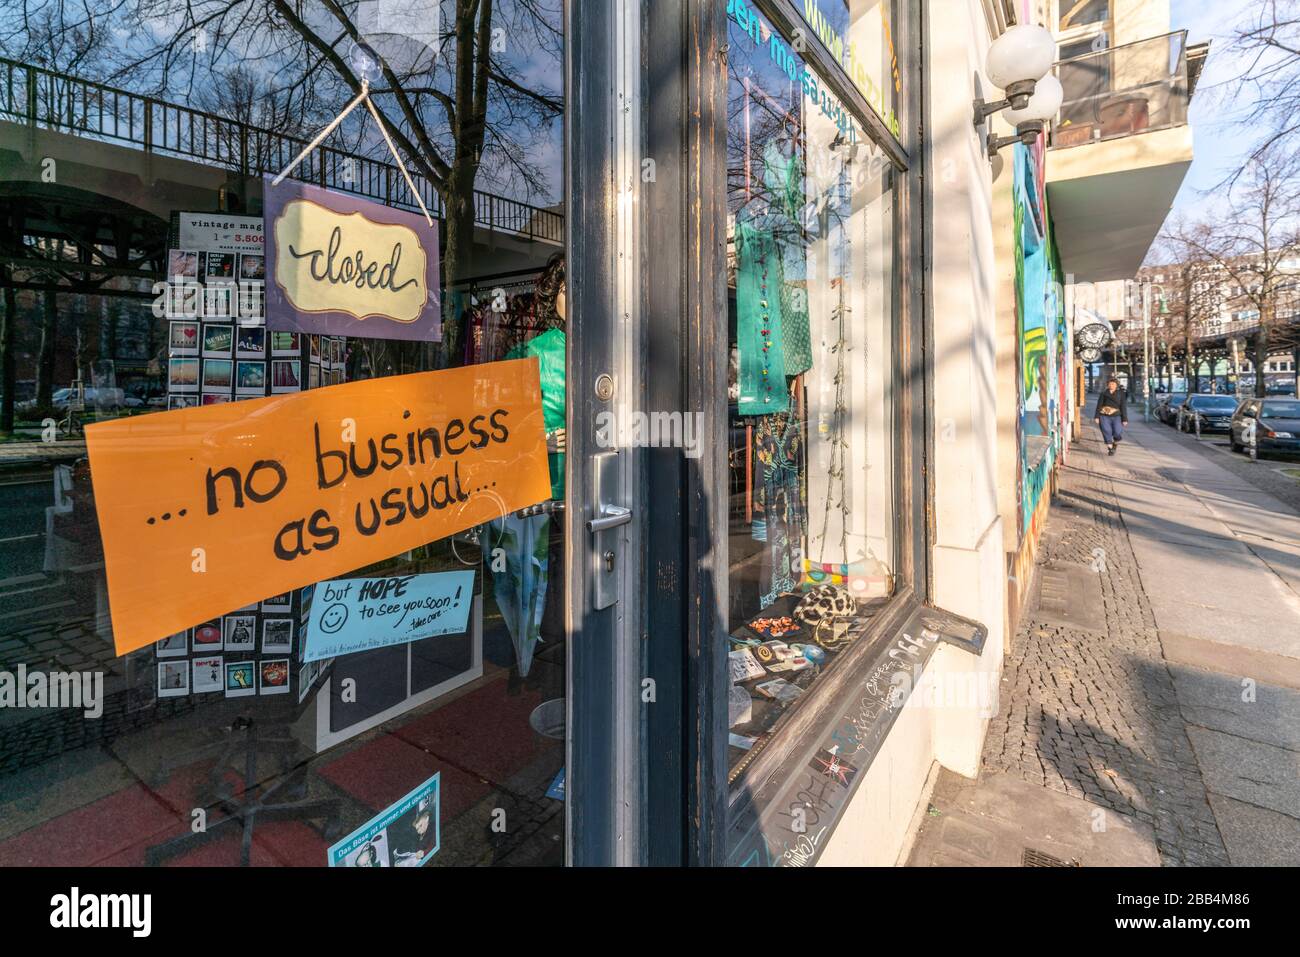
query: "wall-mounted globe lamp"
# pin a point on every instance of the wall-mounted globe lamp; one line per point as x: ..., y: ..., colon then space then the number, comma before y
x: 1042, y: 106
x: 1016, y: 64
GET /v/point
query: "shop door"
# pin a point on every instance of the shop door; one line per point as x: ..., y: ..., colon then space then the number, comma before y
x: 512, y: 740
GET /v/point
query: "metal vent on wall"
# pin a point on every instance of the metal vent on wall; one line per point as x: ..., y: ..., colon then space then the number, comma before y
x: 1034, y: 858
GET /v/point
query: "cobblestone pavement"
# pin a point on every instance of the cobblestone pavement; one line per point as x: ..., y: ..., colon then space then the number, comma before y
x: 1094, y: 714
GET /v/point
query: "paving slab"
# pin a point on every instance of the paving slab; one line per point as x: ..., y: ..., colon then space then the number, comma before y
x: 1246, y: 706
x: 993, y: 820
x: 1260, y: 774
x: 1216, y: 595
x: 1256, y: 836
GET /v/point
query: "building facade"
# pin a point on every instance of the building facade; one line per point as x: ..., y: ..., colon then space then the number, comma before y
x: 753, y: 384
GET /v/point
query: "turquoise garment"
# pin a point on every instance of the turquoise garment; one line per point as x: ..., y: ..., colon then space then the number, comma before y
x: 758, y: 322
x: 548, y: 349
x: 783, y: 176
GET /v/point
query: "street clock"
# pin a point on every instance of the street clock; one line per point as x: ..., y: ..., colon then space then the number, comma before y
x: 1094, y: 335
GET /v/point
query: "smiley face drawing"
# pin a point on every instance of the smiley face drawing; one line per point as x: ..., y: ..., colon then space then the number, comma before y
x: 333, y: 618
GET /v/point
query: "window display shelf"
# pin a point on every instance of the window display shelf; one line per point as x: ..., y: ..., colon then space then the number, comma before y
x: 817, y: 756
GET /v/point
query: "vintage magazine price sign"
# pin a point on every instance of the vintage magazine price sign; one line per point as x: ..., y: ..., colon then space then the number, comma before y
x: 206, y: 509
x: 340, y: 265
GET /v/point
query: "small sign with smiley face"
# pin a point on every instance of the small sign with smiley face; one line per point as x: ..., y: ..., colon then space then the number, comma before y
x: 358, y: 614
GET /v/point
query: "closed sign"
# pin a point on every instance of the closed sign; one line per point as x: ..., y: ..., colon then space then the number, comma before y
x: 340, y: 265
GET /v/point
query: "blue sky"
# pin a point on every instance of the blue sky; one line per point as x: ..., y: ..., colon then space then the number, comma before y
x: 1219, y: 145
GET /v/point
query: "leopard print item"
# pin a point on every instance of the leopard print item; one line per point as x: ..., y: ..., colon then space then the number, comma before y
x: 825, y: 601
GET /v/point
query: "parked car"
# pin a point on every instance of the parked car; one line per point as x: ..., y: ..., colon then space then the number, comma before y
x: 94, y: 398
x: 1167, y: 404
x: 1277, y: 425
x: 1214, y: 411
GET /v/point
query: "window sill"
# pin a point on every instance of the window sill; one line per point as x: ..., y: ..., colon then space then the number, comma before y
x: 818, y: 758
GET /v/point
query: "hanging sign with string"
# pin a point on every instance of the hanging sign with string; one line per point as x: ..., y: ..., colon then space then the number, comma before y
x: 337, y: 264
x: 342, y: 266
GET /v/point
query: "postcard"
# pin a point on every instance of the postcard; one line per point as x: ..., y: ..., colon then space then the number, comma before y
x: 208, y: 674
x: 240, y: 679
x: 273, y: 676
x: 173, y: 679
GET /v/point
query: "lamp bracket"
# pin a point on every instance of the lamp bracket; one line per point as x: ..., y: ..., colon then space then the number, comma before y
x: 1017, y: 97
x: 1025, y: 133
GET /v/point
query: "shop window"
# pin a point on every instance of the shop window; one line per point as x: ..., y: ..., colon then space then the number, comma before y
x: 142, y: 302
x: 811, y: 544
x: 862, y: 37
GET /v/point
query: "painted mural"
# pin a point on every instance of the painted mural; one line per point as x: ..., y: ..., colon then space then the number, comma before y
x: 1040, y: 329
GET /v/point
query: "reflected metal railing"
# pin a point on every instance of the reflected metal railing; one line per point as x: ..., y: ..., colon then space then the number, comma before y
x: 44, y: 98
x: 1122, y: 91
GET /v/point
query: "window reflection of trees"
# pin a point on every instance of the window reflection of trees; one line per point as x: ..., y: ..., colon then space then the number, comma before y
x: 477, y: 111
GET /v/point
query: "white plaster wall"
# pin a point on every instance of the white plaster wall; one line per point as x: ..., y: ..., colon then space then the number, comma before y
x: 876, y: 823
x: 968, y: 573
x: 943, y: 720
x: 1139, y: 19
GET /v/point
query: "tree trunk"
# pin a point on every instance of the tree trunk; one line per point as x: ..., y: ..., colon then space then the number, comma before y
x: 45, y: 359
x: 8, y: 378
x: 458, y: 258
x: 1261, y: 360
x: 1191, y: 370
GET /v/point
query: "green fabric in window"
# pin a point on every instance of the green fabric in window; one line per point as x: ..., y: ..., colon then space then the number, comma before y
x: 783, y: 176
x: 548, y: 350
x: 758, y: 321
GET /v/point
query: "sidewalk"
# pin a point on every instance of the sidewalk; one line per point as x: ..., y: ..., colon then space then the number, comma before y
x: 1150, y: 709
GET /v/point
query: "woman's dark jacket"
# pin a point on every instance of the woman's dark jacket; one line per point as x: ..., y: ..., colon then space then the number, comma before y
x: 1112, y: 403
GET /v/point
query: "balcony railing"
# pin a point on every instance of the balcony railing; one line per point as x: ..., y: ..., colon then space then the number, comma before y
x: 1122, y: 91
x: 43, y: 98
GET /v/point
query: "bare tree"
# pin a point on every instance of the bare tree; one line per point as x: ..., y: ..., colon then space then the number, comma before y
x: 1268, y: 42
x: 1189, y: 297
x: 480, y: 109
x: 1252, y: 242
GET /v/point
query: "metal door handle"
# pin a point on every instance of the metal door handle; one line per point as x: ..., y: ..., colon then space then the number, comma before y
x: 606, y: 543
x: 611, y: 516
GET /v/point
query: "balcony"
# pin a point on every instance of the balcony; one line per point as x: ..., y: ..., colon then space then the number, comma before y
x: 1118, y: 152
x: 1136, y: 88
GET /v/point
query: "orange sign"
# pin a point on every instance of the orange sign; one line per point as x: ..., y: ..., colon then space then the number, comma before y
x: 209, y: 509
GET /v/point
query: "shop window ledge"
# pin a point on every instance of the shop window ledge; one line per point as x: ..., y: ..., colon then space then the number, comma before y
x: 818, y: 758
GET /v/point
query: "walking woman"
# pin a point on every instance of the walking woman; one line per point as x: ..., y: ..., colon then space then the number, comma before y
x: 1111, y: 413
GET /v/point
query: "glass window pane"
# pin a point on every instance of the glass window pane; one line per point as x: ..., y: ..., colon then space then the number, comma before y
x: 139, y: 297
x: 811, y: 535
x: 862, y: 37
x: 1077, y: 13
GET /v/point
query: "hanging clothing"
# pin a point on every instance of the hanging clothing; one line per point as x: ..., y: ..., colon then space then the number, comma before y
x: 549, y: 351
x: 758, y: 321
x: 784, y: 178
x: 780, y: 513
x: 529, y: 544
x: 520, y: 587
